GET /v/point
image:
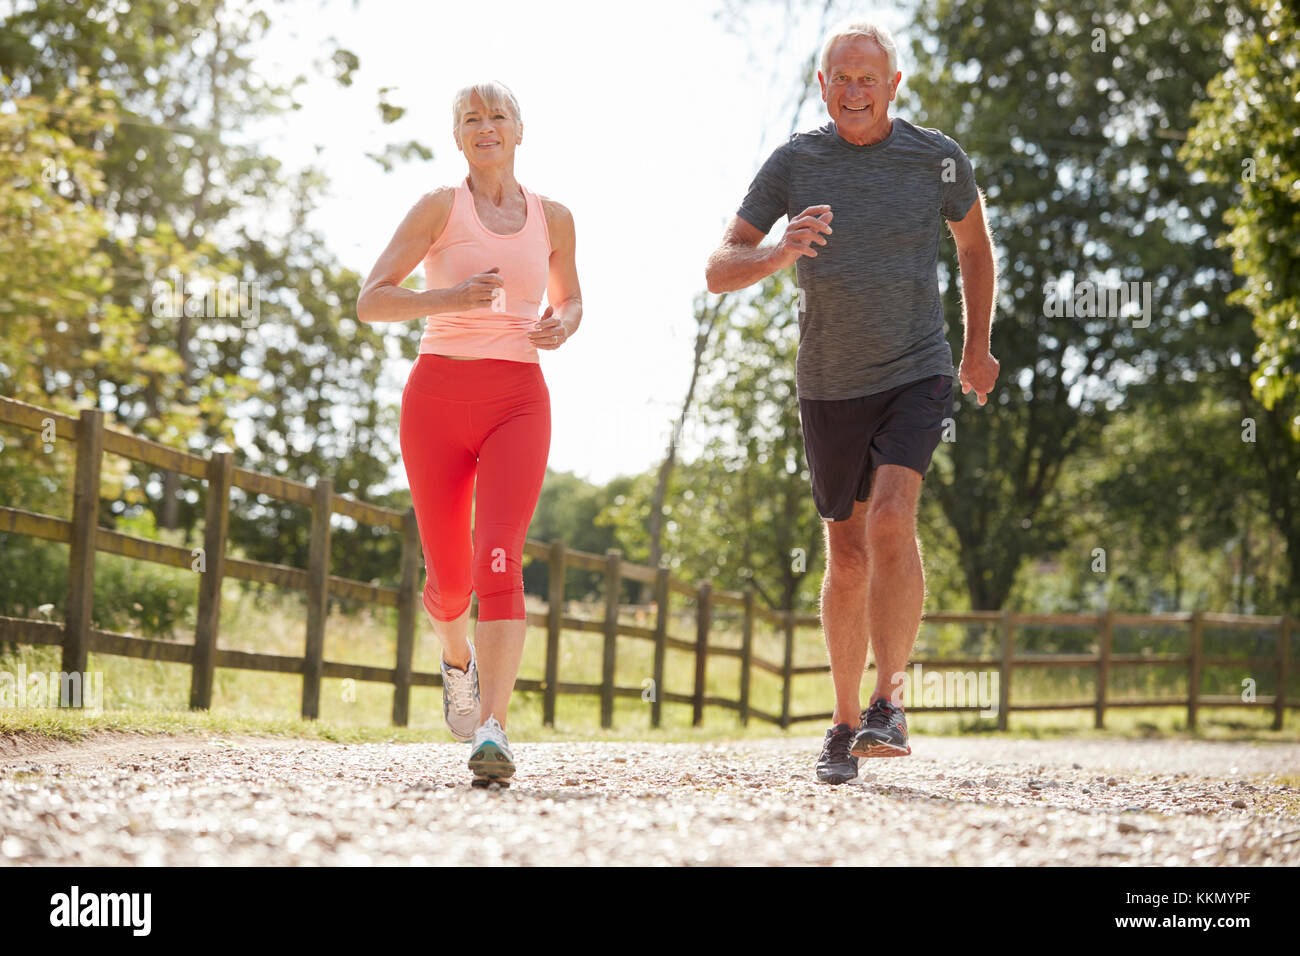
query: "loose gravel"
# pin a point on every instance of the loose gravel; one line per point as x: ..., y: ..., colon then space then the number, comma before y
x: 133, y: 800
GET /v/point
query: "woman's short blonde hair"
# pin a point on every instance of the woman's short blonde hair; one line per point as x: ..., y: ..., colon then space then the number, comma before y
x: 860, y: 28
x: 494, y: 95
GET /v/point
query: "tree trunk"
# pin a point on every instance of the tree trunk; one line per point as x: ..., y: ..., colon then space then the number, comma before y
x: 706, y: 318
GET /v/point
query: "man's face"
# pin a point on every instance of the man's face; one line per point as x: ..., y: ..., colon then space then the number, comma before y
x: 859, y: 88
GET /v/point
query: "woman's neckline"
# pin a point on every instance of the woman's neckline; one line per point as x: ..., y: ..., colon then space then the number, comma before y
x: 500, y: 235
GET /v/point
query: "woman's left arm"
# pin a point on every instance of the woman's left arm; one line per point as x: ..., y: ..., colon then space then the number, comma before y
x: 564, y: 314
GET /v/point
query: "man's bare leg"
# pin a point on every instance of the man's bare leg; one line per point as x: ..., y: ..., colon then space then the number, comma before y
x: 844, y: 610
x: 896, y: 592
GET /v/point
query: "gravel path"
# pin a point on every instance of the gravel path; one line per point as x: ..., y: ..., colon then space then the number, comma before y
x: 127, y: 799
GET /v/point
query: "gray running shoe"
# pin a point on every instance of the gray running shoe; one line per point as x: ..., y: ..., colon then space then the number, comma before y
x: 490, y: 758
x: 460, y: 705
x: 836, y: 764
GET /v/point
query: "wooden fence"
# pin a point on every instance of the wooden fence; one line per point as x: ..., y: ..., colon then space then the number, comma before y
x: 77, y: 638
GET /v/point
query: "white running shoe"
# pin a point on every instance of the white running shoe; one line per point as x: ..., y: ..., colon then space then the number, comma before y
x: 460, y: 698
x: 490, y: 758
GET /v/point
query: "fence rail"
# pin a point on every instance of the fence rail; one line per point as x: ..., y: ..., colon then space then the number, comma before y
x: 77, y: 638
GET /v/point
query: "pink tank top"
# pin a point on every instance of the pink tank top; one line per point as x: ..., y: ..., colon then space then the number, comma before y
x: 465, y: 248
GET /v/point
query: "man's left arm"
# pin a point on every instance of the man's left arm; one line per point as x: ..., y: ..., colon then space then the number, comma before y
x: 979, y: 369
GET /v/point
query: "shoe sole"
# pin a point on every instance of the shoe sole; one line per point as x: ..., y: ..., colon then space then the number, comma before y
x: 457, y: 737
x: 490, y: 765
x: 837, y: 781
x: 881, y: 750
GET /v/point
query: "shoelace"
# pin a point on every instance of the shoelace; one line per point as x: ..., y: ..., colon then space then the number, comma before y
x: 837, y: 745
x: 492, y: 731
x: 880, y: 716
x: 460, y: 688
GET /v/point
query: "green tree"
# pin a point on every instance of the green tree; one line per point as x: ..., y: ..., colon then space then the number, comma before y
x: 1071, y: 115
x: 1146, y: 532
x: 570, y: 509
x: 740, y: 513
x: 49, y: 229
x: 1245, y: 140
x: 184, y: 194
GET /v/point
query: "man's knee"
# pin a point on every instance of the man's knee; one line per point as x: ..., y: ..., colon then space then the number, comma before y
x: 846, y: 550
x: 891, y: 528
x: 891, y: 519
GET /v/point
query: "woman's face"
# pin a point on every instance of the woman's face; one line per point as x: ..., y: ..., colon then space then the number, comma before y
x: 488, y: 137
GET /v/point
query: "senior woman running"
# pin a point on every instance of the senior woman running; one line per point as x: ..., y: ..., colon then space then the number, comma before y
x: 475, y: 405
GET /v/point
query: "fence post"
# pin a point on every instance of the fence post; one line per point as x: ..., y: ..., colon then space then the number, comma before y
x: 216, y: 527
x: 410, y: 601
x: 1005, y: 667
x: 703, y: 614
x: 613, y: 585
x: 318, y: 571
x: 1194, y: 671
x: 1283, y: 660
x: 746, y: 655
x: 81, y: 555
x: 662, y: 597
x: 1104, y: 635
x: 554, y: 616
x: 787, y: 669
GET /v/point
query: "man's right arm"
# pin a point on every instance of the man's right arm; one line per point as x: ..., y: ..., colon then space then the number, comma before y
x: 739, y: 261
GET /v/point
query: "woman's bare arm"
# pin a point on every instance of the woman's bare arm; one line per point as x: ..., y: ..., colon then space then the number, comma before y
x: 562, y: 289
x: 382, y: 298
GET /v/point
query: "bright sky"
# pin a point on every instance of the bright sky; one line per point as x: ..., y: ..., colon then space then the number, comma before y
x: 648, y: 122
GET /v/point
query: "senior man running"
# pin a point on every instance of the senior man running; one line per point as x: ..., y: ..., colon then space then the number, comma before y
x: 865, y: 195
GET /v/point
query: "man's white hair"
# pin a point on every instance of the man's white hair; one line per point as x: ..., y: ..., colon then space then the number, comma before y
x: 860, y: 28
x: 495, y: 96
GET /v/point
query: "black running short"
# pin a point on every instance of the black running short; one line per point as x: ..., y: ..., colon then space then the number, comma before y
x: 846, y: 440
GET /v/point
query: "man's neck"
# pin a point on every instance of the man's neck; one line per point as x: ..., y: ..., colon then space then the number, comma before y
x: 880, y: 138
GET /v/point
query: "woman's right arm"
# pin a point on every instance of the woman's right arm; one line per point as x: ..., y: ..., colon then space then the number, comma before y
x: 382, y: 298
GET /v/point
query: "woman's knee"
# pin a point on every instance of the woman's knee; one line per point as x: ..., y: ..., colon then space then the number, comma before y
x: 499, y: 579
x: 443, y: 604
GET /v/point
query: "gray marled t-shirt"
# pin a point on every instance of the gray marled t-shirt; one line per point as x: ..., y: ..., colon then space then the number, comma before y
x: 872, y: 317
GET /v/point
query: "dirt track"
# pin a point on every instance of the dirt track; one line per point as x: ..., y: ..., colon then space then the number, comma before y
x: 126, y: 799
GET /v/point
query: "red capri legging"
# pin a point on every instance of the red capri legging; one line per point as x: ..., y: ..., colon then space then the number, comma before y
x: 489, y: 418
